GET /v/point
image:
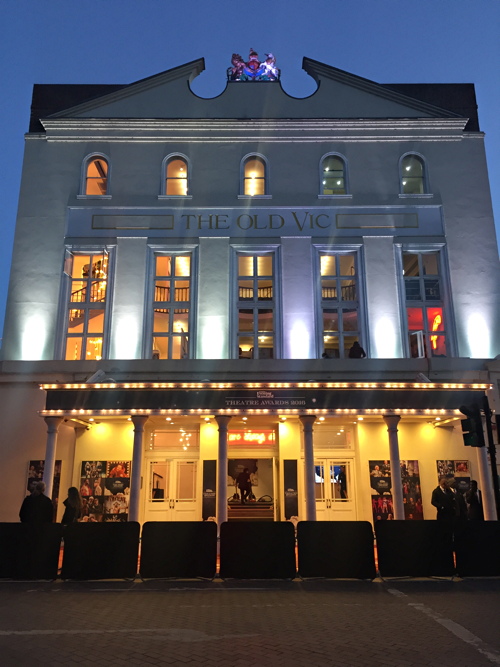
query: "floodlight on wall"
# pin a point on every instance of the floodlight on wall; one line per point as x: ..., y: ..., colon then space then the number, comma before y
x: 95, y: 377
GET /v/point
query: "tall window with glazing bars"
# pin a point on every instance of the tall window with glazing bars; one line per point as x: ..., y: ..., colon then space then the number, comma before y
x: 171, y: 307
x: 87, y: 275
x: 339, y: 304
x: 425, y: 312
x: 256, y: 306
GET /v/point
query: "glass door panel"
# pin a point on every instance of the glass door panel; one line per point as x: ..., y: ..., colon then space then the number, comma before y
x: 334, y: 490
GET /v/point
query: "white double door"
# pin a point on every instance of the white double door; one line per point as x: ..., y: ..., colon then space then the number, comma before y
x: 171, y: 490
x: 334, y: 489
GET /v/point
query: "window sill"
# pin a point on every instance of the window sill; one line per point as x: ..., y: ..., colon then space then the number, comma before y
x: 255, y: 196
x: 162, y: 197
x: 93, y: 196
x: 415, y: 196
x: 334, y: 196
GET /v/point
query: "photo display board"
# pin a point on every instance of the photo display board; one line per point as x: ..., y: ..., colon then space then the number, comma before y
x: 381, y: 485
x: 35, y: 474
x: 459, y: 471
x: 105, y: 490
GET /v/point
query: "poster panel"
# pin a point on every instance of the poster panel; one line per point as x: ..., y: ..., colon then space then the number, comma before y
x: 104, y: 488
x: 35, y: 474
x: 457, y: 471
x: 381, y: 484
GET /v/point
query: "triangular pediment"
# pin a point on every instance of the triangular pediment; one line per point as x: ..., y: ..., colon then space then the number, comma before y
x: 339, y: 95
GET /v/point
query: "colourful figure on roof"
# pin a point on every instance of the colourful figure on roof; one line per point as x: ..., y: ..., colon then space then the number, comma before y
x: 253, y: 70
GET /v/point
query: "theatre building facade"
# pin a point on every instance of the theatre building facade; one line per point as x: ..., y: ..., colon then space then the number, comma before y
x: 306, y: 288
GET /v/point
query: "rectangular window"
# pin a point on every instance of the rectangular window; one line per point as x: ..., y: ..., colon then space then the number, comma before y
x: 256, y: 325
x: 171, y: 306
x: 86, y: 310
x: 339, y: 298
x: 425, y: 312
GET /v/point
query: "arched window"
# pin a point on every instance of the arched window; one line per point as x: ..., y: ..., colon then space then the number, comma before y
x: 254, y: 176
x: 96, y: 176
x: 176, y: 176
x: 412, y: 175
x: 333, y: 176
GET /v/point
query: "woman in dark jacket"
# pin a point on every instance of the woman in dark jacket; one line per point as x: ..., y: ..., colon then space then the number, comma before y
x: 73, y: 506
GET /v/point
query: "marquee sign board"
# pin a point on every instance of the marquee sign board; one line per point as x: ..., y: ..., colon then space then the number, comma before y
x: 272, y: 400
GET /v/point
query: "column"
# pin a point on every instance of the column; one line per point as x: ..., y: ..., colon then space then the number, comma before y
x: 299, y: 321
x: 307, y: 424
x: 392, y: 422
x: 486, y: 484
x: 222, y: 422
x: 135, y: 481
x: 383, y: 309
x: 53, y: 424
x: 128, y: 299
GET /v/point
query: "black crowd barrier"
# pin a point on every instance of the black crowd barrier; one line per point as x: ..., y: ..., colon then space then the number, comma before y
x: 336, y: 549
x: 101, y: 550
x: 477, y: 547
x: 257, y: 550
x: 29, y: 551
x: 183, y: 549
x: 414, y: 549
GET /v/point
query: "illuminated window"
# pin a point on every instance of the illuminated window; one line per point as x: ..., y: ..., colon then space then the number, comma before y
x: 256, y: 317
x: 171, y: 307
x: 87, y: 276
x: 425, y: 312
x: 255, y: 176
x: 340, y: 313
x: 333, y: 176
x: 96, y: 176
x: 412, y: 175
x: 176, y: 176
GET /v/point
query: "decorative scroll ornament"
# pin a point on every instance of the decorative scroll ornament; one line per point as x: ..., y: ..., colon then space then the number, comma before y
x: 253, y: 70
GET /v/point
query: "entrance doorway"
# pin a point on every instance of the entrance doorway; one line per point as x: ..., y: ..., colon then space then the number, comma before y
x: 171, y: 491
x: 334, y: 490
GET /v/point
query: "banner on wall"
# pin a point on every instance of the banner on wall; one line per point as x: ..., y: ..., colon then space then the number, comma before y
x: 105, y: 489
x: 381, y: 484
x: 459, y: 471
x: 35, y: 474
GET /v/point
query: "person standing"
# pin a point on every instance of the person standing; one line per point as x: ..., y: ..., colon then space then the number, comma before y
x: 356, y: 351
x: 244, y: 484
x: 475, y: 503
x: 443, y: 500
x: 37, y: 507
x: 73, y: 506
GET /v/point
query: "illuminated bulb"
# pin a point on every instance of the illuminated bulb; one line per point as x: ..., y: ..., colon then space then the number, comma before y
x: 407, y: 168
x: 168, y: 419
x: 360, y: 419
x: 322, y: 419
x: 338, y: 182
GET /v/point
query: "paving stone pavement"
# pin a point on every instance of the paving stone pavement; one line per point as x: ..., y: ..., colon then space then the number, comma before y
x: 394, y: 623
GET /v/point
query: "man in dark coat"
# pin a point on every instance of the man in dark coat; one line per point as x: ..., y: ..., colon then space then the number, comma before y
x: 475, y: 502
x: 443, y: 500
x: 37, y: 508
x: 244, y: 484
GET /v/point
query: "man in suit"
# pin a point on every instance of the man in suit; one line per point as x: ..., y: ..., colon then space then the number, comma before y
x: 443, y: 500
x: 475, y: 503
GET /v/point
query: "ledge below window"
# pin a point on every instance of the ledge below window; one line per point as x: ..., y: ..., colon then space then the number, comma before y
x: 416, y: 196
x: 161, y: 197
x: 334, y: 196
x: 93, y: 196
x: 255, y: 196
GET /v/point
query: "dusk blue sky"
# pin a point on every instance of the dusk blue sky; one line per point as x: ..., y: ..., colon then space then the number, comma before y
x: 121, y: 41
